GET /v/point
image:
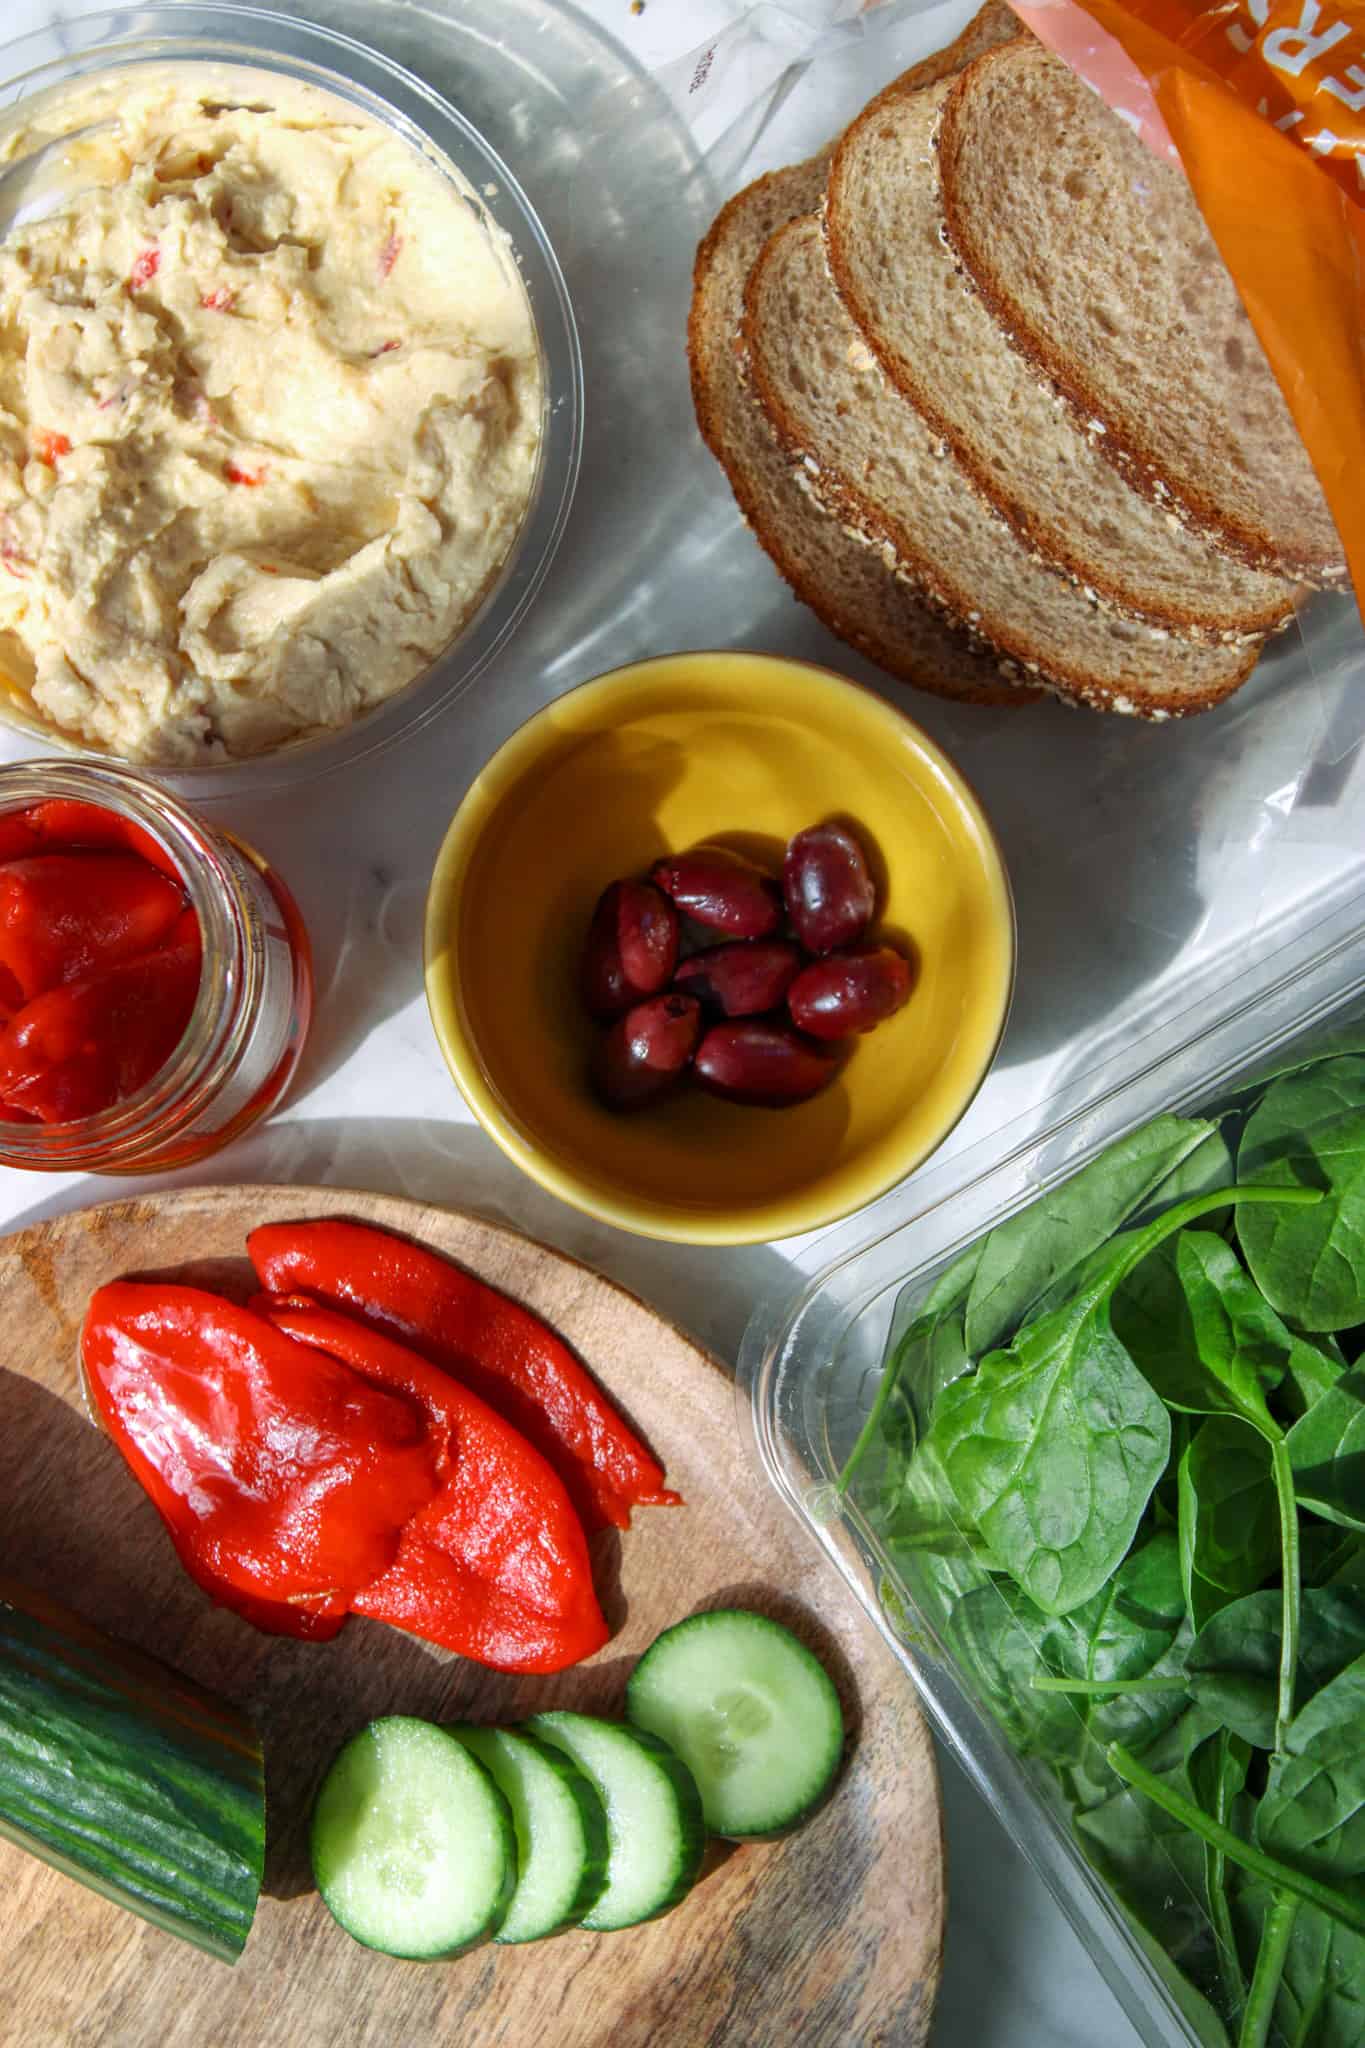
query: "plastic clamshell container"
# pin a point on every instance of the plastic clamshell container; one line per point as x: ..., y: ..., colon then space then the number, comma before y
x: 255, y: 48
x: 810, y: 1365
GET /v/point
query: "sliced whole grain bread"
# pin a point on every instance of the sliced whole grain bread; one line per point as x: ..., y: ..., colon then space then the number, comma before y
x: 863, y: 450
x: 844, y: 582
x: 1093, y: 255
x: 884, y: 241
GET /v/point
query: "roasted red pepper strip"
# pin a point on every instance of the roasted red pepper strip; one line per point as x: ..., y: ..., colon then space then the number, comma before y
x: 511, y: 1359
x: 18, y: 835
x: 281, y: 1475
x: 496, y: 1567
x: 76, y: 1050
x: 64, y: 916
x: 61, y: 821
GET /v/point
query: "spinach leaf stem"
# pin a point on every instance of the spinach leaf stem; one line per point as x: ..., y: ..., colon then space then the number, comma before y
x: 1283, y: 1473
x: 1277, y: 1932
x: 1279, y: 1876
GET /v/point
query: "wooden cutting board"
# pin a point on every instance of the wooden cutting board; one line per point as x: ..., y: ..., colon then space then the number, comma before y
x: 830, y: 1937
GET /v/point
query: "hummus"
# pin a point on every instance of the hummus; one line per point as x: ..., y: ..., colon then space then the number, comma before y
x: 270, y: 414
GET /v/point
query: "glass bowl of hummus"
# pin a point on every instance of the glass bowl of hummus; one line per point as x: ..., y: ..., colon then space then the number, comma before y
x: 290, y: 395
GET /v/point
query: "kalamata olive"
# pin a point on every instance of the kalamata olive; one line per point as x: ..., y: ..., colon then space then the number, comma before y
x: 720, y: 891
x: 646, y: 1052
x: 742, y: 979
x: 829, y: 892
x: 766, y: 1064
x: 630, y: 951
x: 848, y: 992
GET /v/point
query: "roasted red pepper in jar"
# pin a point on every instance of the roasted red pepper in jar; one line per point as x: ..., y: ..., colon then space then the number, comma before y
x: 496, y: 1565
x: 500, y: 1350
x: 100, y: 961
x: 285, y: 1480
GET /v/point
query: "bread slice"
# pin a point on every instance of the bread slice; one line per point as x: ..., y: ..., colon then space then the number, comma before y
x: 1093, y: 255
x: 845, y: 583
x: 864, y: 451
x: 940, y: 345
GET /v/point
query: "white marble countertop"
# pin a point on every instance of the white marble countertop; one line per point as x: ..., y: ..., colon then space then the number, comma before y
x: 373, y: 1105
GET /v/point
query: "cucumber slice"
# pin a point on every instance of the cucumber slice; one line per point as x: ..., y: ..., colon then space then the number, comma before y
x: 412, y: 1843
x: 751, y: 1712
x: 655, y: 1836
x: 561, y: 1830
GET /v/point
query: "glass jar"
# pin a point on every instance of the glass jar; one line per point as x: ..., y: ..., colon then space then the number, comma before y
x: 251, y: 1012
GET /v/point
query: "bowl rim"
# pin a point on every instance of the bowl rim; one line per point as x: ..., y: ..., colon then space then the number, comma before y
x: 763, y: 1223
x: 215, y: 32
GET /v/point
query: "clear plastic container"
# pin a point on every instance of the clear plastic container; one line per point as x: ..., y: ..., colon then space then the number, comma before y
x: 339, y: 64
x: 810, y: 1366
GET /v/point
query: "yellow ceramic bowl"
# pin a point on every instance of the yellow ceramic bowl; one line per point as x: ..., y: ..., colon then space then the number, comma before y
x: 744, y: 749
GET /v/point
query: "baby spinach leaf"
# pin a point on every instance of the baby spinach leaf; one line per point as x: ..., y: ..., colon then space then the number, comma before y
x: 924, y: 1358
x: 954, y: 1283
x: 1315, y: 1366
x: 1327, y: 1453
x: 1234, y: 1661
x: 1325, y: 1045
x: 1198, y: 2013
x: 1053, y: 1446
x: 926, y: 1514
x: 1348, y: 1565
x: 1241, y: 1350
x: 997, y: 1632
x: 1030, y: 1253
x: 1152, y: 1286
x: 939, y: 1357
x: 1312, y: 1813
x: 1146, y: 1587
x: 1309, y: 1129
x: 1130, y: 1622
x: 1208, y: 1167
x: 1124, y: 1651
x: 1151, y: 1319
x: 1164, y: 1508
x: 1241, y: 1347
x: 1228, y: 1518
x: 936, y: 1582
x: 1331, y: 1556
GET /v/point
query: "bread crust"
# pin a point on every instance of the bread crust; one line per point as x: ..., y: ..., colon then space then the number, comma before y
x: 1197, y: 509
x: 840, y: 495
x: 1045, y: 538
